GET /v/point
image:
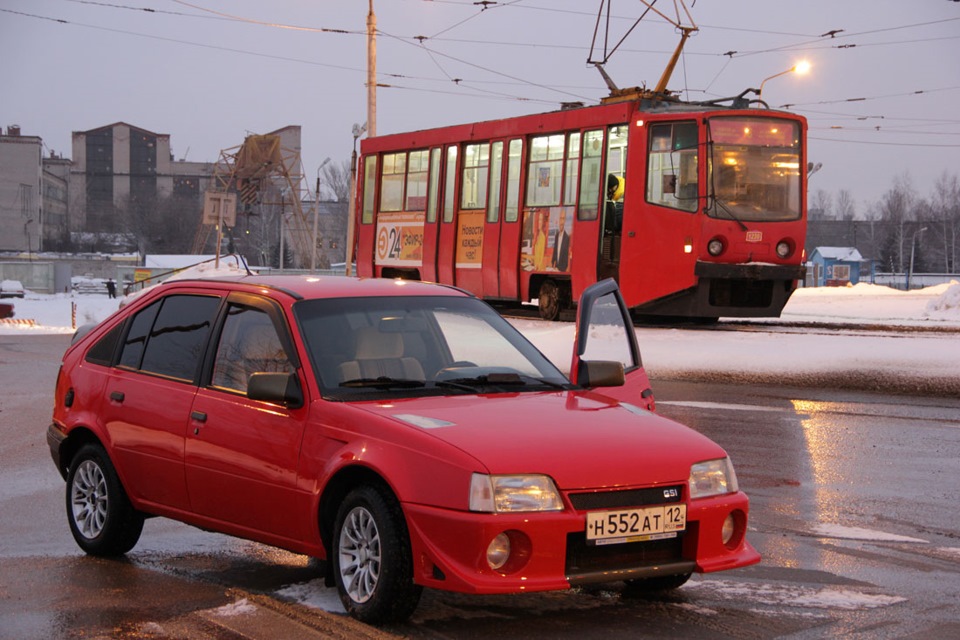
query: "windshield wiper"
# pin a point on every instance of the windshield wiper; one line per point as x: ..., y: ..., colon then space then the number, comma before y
x: 718, y: 201
x: 498, y: 380
x: 383, y: 382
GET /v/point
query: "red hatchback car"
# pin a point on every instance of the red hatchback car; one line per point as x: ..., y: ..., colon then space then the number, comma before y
x: 404, y: 432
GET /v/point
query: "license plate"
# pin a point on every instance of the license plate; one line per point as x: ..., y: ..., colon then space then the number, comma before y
x: 635, y: 525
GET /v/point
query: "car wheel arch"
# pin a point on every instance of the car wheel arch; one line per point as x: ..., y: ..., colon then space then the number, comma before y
x: 336, y: 489
x: 78, y: 437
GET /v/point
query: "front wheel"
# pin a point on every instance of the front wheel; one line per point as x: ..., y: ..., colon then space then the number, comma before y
x: 372, y: 564
x: 102, y: 520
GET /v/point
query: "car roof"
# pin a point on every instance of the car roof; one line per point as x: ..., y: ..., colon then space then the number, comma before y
x: 315, y: 286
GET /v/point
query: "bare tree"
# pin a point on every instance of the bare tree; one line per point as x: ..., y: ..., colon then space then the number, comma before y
x: 945, y: 214
x: 896, y: 209
x: 846, y: 208
x: 336, y: 180
x: 821, y: 206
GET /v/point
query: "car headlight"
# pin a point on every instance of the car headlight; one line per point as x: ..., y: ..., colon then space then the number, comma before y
x: 712, y: 478
x: 511, y: 494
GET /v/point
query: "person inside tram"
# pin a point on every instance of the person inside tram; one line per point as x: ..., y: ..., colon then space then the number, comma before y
x: 613, y: 217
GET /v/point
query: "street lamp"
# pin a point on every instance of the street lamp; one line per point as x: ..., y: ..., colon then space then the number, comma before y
x: 913, y: 246
x: 801, y: 68
x: 316, y: 216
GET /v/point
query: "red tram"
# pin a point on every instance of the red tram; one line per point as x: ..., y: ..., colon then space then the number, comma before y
x: 698, y: 211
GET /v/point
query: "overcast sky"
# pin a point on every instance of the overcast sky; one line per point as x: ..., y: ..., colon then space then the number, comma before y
x: 881, y: 97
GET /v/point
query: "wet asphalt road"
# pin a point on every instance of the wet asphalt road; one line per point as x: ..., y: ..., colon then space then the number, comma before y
x: 853, y: 507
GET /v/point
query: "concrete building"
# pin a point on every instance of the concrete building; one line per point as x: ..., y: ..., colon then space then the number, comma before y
x: 119, y: 166
x: 21, y: 180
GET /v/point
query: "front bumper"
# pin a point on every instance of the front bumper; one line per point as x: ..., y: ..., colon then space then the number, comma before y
x: 550, y: 551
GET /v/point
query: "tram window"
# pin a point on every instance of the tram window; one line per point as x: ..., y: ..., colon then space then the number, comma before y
x: 416, y: 181
x: 573, y: 164
x: 672, y: 171
x: 496, y: 172
x: 433, y: 190
x: 512, y: 208
x: 451, y: 181
x: 369, y: 182
x: 617, y: 151
x: 476, y: 169
x: 590, y: 177
x: 545, y: 171
x: 391, y: 188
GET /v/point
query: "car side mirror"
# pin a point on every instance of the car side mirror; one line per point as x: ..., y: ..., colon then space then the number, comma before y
x: 280, y: 388
x: 600, y: 373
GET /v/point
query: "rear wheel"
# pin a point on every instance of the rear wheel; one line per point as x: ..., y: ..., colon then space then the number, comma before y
x: 549, y: 299
x: 102, y: 520
x: 372, y: 564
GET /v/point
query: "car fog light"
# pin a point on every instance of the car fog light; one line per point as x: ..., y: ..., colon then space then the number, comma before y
x: 783, y: 249
x: 729, y: 529
x: 715, y: 247
x: 498, y: 551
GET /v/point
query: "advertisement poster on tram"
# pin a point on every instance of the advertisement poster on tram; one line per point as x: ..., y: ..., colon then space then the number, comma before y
x: 470, y: 239
x: 400, y: 239
x: 546, y: 239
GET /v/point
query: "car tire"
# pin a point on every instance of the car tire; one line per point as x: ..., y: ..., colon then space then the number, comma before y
x: 372, y: 563
x: 659, y: 583
x: 102, y: 520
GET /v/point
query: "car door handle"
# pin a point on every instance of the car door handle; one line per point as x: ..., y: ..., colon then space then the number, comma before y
x: 199, y: 416
x: 117, y: 396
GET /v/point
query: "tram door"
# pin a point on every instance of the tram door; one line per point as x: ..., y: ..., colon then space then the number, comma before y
x: 511, y: 228
x: 608, y: 265
x: 431, y: 227
x: 447, y: 241
x: 501, y: 234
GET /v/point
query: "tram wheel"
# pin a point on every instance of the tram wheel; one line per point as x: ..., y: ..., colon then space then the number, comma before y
x: 549, y: 298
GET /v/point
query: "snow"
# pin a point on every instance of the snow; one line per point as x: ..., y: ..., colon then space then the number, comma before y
x: 314, y: 594
x: 238, y: 608
x: 785, y: 595
x: 916, y: 349
x: 828, y: 530
x: 840, y: 253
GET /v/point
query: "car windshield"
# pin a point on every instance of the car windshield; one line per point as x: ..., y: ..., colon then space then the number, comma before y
x: 754, y: 168
x: 418, y: 345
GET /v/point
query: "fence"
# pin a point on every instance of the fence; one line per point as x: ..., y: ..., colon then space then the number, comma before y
x: 917, y: 280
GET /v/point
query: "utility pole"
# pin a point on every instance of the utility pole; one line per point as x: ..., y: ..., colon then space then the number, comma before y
x: 351, y: 216
x: 316, y: 218
x: 371, y: 72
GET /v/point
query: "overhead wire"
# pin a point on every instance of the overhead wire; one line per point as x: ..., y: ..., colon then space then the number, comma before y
x: 506, y: 79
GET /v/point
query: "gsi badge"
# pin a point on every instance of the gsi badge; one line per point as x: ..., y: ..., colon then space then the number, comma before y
x: 669, y: 493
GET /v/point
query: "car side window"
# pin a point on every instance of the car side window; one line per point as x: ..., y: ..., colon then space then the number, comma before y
x: 102, y: 352
x: 249, y: 344
x: 179, y: 335
x: 136, y: 338
x: 168, y: 337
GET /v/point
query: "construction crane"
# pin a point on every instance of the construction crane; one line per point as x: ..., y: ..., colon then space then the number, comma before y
x: 264, y: 173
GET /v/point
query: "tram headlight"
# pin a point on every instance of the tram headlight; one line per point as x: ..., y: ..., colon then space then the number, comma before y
x: 784, y: 249
x: 715, y: 247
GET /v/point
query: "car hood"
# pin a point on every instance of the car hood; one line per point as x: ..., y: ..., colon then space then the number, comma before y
x: 582, y: 440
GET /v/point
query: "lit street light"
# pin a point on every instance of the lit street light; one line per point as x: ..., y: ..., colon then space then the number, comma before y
x: 801, y: 68
x: 913, y: 246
